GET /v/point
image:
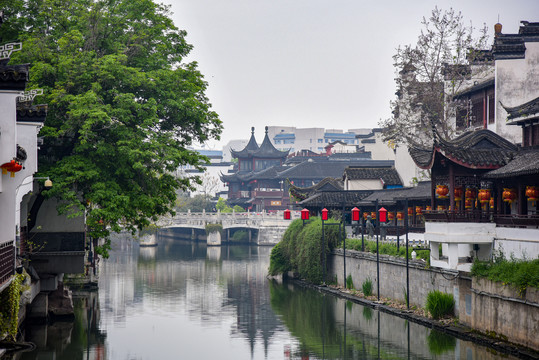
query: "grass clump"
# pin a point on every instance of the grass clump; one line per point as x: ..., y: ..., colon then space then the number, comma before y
x: 388, y: 249
x: 349, y: 282
x: 366, y: 287
x: 518, y: 273
x: 440, y: 304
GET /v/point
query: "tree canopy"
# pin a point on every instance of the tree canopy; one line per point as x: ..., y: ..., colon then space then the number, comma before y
x: 429, y: 73
x: 122, y: 105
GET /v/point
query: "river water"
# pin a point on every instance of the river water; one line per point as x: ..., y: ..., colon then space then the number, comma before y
x: 183, y: 300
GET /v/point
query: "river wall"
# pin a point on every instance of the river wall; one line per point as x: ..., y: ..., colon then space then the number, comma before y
x: 491, y: 308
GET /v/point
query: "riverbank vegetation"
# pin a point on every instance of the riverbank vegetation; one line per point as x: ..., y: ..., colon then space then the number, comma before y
x: 301, y: 250
x: 518, y: 273
x: 388, y: 249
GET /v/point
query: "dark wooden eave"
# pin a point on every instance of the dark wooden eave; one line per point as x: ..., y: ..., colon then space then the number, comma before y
x: 14, y: 77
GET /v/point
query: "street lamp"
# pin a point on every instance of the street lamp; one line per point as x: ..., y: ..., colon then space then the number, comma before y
x: 304, y: 215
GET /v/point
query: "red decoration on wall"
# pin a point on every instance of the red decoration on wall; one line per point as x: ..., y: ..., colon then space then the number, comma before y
x: 458, y: 193
x: 484, y: 196
x: 509, y: 195
x: 442, y: 191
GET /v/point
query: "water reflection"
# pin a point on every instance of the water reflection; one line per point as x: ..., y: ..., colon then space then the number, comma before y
x: 185, y: 300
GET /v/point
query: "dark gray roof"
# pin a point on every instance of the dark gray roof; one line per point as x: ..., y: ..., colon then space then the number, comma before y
x: 512, y: 46
x: 13, y: 77
x: 267, y: 150
x: 390, y: 196
x: 526, y: 110
x: 336, y: 199
x: 473, y: 149
x: 389, y: 176
x: 324, y: 169
x: 526, y: 162
x: 475, y: 88
x: 251, y: 146
x: 33, y: 113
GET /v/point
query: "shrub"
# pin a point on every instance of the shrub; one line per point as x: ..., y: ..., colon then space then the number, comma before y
x: 367, y: 287
x: 279, y: 263
x: 518, y: 273
x: 440, y: 304
x: 349, y: 282
x: 214, y: 228
x: 301, y: 249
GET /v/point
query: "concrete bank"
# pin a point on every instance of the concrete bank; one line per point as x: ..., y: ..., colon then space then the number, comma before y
x: 457, y: 330
x: 494, y: 309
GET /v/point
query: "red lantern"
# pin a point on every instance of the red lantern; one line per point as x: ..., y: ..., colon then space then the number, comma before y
x: 410, y: 211
x: 471, y: 193
x: 440, y: 208
x: 429, y: 208
x: 304, y: 214
x: 400, y: 215
x: 286, y: 214
x: 418, y: 210
x: 442, y: 191
x: 373, y: 215
x: 391, y: 216
x: 532, y: 193
x: 491, y: 203
x: 484, y: 196
x: 458, y: 193
x: 325, y: 214
x: 468, y: 203
x: 383, y: 214
x: 365, y: 215
x: 509, y: 195
x: 355, y: 214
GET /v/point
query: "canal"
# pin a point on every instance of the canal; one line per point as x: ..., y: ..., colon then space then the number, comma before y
x: 183, y: 300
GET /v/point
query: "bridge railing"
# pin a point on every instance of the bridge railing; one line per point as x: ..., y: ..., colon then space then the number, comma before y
x: 201, y: 218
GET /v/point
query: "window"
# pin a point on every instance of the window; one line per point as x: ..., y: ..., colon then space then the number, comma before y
x: 311, y: 141
x: 288, y: 141
x: 530, y: 135
x: 277, y: 142
x: 320, y: 141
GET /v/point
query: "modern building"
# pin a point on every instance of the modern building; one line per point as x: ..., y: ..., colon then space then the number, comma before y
x: 287, y: 138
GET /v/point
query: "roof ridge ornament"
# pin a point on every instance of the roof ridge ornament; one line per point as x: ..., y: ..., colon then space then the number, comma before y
x: 29, y: 95
x: 7, y: 49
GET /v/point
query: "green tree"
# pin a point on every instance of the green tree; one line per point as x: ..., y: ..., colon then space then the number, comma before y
x: 123, y: 107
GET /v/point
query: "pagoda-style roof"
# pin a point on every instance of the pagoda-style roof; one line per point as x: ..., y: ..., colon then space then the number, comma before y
x: 389, y: 176
x: 265, y: 151
x: 522, y: 113
x: 512, y: 46
x: 268, y: 151
x: 479, y: 149
x: 325, y: 185
x: 526, y: 162
x: 14, y: 77
x: 270, y: 173
x: 251, y: 146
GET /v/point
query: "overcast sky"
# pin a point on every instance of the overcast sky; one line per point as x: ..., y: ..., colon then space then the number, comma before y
x: 312, y: 63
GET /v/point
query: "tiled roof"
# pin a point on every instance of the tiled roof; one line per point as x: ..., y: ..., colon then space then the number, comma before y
x: 473, y: 149
x: 267, y: 150
x: 323, y: 169
x: 327, y: 184
x: 33, y: 113
x: 475, y: 88
x: 336, y: 199
x: 251, y: 146
x: 13, y: 77
x: 389, y: 176
x: 526, y: 162
x: 508, y: 46
x: 390, y: 196
x: 526, y: 110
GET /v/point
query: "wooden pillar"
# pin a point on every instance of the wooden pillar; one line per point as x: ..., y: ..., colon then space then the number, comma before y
x: 432, y: 191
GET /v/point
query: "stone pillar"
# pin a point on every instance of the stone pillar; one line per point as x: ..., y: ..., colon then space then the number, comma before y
x: 214, y: 238
x: 453, y: 255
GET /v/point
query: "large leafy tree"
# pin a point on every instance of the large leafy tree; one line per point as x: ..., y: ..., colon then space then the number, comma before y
x: 123, y: 106
x: 429, y: 73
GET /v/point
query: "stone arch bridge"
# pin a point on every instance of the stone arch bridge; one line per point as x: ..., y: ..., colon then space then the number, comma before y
x: 262, y: 228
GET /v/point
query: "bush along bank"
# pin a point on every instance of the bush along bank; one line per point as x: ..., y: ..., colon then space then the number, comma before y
x: 301, y: 250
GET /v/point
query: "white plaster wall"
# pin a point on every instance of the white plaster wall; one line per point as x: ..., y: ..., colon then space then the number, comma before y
x: 406, y: 167
x: 518, y: 242
x: 517, y: 82
x: 380, y: 150
x: 471, y: 233
x: 8, y: 148
x: 364, y: 185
